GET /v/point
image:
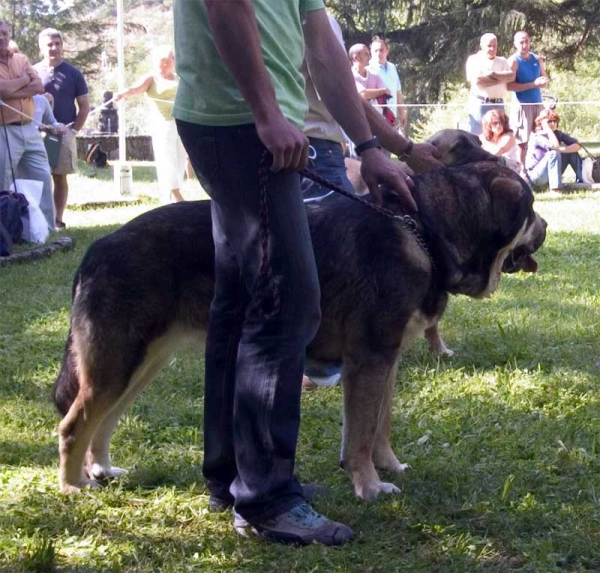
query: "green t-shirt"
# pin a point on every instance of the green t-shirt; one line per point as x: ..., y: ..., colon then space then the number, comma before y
x: 207, y: 93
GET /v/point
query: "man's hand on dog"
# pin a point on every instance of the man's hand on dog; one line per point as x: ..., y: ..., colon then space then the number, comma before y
x: 376, y: 169
x: 424, y: 156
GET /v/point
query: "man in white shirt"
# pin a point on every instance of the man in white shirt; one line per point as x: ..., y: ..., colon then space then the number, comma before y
x: 488, y: 75
x: 389, y: 74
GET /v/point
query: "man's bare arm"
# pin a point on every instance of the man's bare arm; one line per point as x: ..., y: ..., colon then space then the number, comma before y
x: 400, y: 111
x: 235, y: 31
x: 83, y: 109
x: 540, y: 82
x: 373, y: 93
x: 496, y: 78
x: 504, y: 76
x: 423, y: 157
x: 142, y: 86
x: 8, y: 88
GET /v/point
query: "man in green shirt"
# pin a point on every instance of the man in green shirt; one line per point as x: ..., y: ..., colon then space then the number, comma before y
x: 241, y: 94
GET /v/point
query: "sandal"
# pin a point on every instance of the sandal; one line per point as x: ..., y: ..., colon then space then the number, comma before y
x: 60, y: 226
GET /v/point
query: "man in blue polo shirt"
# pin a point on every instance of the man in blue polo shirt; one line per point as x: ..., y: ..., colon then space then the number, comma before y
x: 71, y: 107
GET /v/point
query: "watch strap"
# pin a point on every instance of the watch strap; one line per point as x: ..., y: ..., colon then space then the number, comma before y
x: 372, y: 143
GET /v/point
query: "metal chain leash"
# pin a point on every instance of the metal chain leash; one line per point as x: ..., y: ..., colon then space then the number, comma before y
x: 266, y: 278
x: 405, y: 221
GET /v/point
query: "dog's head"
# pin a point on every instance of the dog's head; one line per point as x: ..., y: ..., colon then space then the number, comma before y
x: 458, y: 147
x: 521, y: 258
x: 481, y: 221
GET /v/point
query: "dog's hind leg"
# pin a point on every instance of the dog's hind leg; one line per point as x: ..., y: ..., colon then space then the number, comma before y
x: 99, y: 466
x: 366, y: 387
x: 75, y: 432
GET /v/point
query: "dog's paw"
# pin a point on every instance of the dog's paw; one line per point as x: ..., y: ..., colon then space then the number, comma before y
x: 389, y: 488
x: 384, y: 459
x: 69, y: 488
x: 370, y: 491
x: 390, y: 465
x: 100, y: 473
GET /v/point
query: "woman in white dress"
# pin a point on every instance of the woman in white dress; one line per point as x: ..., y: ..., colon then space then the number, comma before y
x: 160, y: 87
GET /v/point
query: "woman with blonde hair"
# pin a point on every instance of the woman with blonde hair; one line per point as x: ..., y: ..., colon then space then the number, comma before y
x: 499, y: 139
x: 550, y: 151
x: 160, y: 87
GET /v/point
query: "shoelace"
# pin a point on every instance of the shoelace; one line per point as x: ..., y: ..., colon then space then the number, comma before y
x: 305, y: 513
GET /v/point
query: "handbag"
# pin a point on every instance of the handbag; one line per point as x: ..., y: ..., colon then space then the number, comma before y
x: 52, y: 144
x: 591, y: 174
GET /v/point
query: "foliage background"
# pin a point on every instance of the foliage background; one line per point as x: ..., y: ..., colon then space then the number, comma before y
x: 429, y: 41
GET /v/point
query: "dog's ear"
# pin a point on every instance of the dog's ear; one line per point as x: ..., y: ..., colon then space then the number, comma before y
x: 511, y: 202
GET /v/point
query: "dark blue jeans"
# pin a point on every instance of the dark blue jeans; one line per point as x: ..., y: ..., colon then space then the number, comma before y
x: 254, y: 360
x: 551, y: 167
x: 328, y: 163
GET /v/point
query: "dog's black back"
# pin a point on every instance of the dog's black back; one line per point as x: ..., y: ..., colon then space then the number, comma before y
x: 158, y: 270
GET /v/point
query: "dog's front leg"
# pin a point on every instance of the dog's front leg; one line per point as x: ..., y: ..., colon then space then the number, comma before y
x: 436, y: 342
x: 365, y: 389
x: 383, y: 455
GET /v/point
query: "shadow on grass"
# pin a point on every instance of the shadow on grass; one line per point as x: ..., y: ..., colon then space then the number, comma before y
x: 24, y: 452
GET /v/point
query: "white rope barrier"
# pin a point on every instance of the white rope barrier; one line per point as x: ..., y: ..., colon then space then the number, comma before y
x: 506, y: 102
x: 50, y: 127
x: 32, y: 119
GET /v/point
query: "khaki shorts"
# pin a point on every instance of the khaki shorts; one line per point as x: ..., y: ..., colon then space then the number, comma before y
x: 522, y: 122
x: 67, y: 158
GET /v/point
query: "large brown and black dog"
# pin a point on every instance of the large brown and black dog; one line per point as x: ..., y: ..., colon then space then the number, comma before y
x: 143, y: 291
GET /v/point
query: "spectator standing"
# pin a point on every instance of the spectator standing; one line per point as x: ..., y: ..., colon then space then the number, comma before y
x: 241, y: 95
x: 71, y: 107
x: 22, y: 150
x: 160, y: 87
x: 388, y: 72
x: 369, y: 85
x: 530, y: 77
x: 550, y: 152
x: 488, y: 75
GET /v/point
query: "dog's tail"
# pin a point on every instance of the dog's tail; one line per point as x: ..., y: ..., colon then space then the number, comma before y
x: 66, y: 387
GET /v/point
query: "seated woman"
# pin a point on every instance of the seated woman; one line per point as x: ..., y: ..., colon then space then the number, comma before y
x: 499, y: 140
x: 550, y: 151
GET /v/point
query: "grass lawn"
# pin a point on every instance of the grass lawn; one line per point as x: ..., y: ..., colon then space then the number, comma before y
x: 503, y: 439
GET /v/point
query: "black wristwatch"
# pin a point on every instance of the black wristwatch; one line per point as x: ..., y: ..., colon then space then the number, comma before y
x: 369, y: 144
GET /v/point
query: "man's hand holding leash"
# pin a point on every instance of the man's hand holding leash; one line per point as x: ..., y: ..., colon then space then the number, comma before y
x: 286, y: 143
